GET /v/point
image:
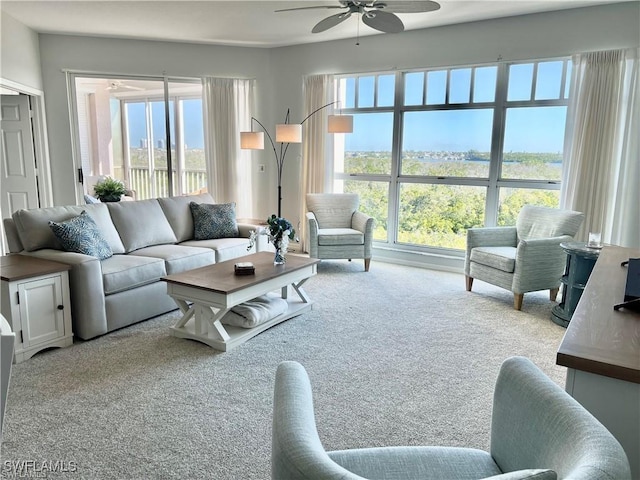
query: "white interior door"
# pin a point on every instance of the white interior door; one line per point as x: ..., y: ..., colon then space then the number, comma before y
x: 17, y: 158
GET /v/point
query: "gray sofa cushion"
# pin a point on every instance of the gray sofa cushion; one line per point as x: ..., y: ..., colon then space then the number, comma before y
x: 141, y: 224
x: 224, y: 248
x: 123, y: 272
x: 179, y: 258
x: 178, y: 213
x: 81, y: 235
x: 34, y: 232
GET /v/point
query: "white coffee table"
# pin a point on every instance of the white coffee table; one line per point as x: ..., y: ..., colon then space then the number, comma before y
x: 206, y: 294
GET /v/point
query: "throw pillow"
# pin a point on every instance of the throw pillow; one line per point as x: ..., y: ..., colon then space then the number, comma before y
x: 214, y: 220
x: 81, y: 235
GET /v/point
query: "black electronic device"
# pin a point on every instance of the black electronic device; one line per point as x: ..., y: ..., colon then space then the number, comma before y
x: 632, y: 287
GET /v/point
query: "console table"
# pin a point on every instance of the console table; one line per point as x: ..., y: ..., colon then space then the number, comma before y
x: 601, y: 350
x: 580, y: 262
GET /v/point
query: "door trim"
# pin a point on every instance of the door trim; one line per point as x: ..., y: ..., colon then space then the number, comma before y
x: 40, y: 144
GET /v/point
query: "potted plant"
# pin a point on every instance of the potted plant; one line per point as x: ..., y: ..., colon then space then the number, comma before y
x: 109, y: 190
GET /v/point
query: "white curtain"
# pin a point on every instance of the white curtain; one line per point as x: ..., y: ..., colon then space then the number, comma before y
x: 227, y: 109
x: 318, y: 90
x: 601, y: 175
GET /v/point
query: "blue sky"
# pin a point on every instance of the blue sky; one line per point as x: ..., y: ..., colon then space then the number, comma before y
x: 529, y: 129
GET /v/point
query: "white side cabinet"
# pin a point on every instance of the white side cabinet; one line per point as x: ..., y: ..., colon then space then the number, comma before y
x: 35, y: 302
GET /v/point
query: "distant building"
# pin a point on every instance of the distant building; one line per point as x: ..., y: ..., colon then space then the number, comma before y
x: 161, y: 143
x: 143, y: 143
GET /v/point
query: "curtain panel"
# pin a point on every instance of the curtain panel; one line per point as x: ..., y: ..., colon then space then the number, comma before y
x: 318, y: 90
x: 601, y: 174
x: 227, y: 108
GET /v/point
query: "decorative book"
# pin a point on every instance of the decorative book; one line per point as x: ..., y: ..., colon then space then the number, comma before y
x: 244, y: 268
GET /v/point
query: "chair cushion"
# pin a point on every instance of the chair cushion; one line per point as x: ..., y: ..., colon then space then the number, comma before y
x: 340, y: 236
x: 542, y: 222
x: 179, y: 258
x: 141, y: 224
x: 501, y: 258
x: 333, y: 210
x: 424, y: 463
x: 123, y: 272
x: 212, y: 221
x: 81, y: 235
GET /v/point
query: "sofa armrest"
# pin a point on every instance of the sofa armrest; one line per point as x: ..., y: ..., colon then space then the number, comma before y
x: 245, y: 229
x: 86, y: 289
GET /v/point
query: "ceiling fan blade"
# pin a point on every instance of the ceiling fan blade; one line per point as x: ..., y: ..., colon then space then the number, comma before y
x: 330, y: 22
x: 398, y: 6
x: 308, y: 8
x: 383, y: 21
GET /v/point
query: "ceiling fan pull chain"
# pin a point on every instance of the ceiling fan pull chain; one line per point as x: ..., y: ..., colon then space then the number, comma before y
x: 358, y: 31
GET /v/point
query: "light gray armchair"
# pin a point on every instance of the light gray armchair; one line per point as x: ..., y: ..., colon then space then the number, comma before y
x: 537, y: 432
x: 524, y: 258
x: 337, y: 229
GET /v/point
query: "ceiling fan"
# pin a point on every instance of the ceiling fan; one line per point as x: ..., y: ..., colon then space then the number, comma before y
x: 119, y: 84
x: 378, y: 14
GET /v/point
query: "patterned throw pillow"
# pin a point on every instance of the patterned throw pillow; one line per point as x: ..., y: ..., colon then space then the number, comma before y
x: 81, y: 235
x: 214, y: 220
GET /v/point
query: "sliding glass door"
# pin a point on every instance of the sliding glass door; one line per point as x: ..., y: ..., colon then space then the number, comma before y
x: 147, y: 133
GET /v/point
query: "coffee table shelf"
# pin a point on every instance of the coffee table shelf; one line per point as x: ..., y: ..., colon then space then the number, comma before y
x: 206, y: 294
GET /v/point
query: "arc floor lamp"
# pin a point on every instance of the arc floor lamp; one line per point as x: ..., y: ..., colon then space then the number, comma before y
x: 287, y: 133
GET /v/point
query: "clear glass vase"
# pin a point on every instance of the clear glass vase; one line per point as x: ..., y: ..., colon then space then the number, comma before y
x: 281, y: 250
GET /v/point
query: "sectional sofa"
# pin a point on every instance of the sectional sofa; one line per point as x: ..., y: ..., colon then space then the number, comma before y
x: 148, y: 240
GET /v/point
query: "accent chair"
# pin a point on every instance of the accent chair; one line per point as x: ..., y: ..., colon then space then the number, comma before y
x: 523, y: 258
x: 538, y: 431
x: 337, y: 229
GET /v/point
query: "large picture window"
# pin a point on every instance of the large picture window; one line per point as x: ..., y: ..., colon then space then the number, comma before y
x: 121, y: 131
x: 457, y: 147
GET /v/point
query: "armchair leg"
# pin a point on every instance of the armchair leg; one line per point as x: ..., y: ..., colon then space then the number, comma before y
x: 469, y: 282
x: 553, y: 294
x: 517, y: 300
x: 367, y: 261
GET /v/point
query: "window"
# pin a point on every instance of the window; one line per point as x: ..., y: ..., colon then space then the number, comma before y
x: 122, y: 133
x: 457, y: 148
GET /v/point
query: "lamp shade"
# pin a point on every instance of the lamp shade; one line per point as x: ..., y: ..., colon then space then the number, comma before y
x: 340, y: 124
x: 289, y: 133
x: 252, y: 140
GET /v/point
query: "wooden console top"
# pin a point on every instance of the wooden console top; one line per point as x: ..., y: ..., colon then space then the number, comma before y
x: 600, y: 339
x: 18, y: 267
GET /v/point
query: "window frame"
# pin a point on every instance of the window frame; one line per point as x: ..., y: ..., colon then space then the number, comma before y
x: 500, y: 105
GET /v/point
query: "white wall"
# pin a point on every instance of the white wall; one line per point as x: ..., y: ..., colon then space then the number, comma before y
x: 118, y: 56
x: 279, y: 72
x: 19, y: 53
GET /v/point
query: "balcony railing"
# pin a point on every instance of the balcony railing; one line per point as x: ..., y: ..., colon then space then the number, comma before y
x: 141, y: 181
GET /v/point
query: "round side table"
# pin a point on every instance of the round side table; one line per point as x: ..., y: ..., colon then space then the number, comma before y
x: 580, y: 262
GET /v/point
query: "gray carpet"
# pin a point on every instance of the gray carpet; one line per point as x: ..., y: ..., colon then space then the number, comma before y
x: 396, y: 356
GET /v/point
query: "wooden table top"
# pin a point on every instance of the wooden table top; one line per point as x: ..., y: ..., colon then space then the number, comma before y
x: 600, y: 339
x: 221, y: 278
x: 19, y: 267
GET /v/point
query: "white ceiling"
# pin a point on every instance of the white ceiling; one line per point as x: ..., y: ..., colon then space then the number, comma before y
x: 240, y: 22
